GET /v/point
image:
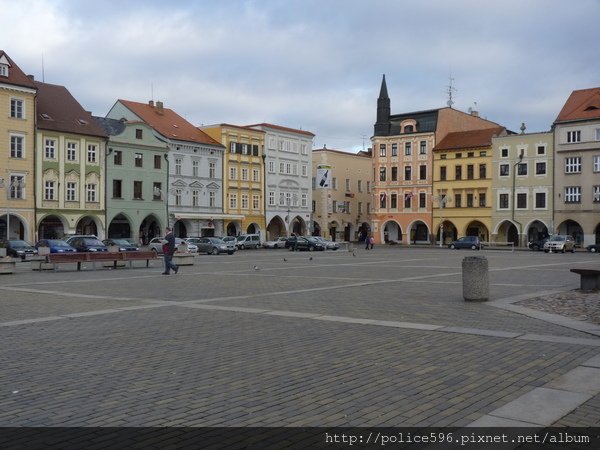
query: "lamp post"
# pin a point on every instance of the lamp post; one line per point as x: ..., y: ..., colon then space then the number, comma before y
x: 514, y: 198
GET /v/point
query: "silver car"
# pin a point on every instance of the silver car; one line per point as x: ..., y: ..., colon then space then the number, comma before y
x: 157, y: 243
x: 560, y: 243
x: 213, y: 245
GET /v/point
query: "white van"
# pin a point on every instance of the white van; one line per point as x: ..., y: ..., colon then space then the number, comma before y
x: 248, y: 241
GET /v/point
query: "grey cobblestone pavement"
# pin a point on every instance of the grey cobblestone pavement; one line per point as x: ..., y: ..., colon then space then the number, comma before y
x: 382, y: 338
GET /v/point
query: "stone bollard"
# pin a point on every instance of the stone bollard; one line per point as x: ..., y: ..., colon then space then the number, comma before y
x: 476, y: 284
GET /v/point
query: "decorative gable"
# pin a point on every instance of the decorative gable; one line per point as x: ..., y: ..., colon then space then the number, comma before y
x: 213, y: 185
x: 196, y: 184
x: 179, y: 183
x: 4, y: 66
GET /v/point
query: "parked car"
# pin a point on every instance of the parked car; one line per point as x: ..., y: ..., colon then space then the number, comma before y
x: 538, y: 244
x: 229, y: 239
x: 304, y: 243
x: 329, y: 245
x: 214, y: 245
x: 593, y: 248
x: 18, y: 248
x: 55, y: 245
x: 87, y: 243
x: 276, y: 243
x: 471, y: 242
x: 156, y: 245
x: 247, y: 241
x: 125, y: 245
x: 560, y: 243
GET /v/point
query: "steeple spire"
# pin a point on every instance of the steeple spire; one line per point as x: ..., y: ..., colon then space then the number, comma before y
x: 382, y: 126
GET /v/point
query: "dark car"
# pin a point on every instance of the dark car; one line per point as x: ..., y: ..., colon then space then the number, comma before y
x: 471, y: 242
x: 304, y: 243
x: 594, y: 248
x: 537, y: 244
x: 125, y: 245
x: 19, y: 249
x: 55, y: 246
x: 87, y: 244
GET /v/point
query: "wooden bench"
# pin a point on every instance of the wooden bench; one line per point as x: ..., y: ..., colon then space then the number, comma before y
x: 590, y: 278
x: 94, y: 257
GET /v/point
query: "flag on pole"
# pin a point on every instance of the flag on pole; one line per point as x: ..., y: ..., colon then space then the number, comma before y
x: 408, y: 195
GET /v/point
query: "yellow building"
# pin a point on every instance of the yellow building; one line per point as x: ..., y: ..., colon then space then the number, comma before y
x: 17, y: 141
x: 243, y: 177
x: 462, y: 185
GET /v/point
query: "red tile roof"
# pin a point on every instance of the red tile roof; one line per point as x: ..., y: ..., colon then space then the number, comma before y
x: 470, y: 139
x: 15, y: 75
x: 279, y: 127
x: 57, y: 110
x: 168, y: 123
x: 581, y: 105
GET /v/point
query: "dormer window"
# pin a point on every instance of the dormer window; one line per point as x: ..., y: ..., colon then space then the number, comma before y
x: 82, y: 122
x: 46, y: 116
x: 3, y: 70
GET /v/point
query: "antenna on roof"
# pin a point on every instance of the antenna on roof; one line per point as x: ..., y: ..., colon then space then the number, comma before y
x: 151, y: 91
x: 450, y: 89
x: 43, y: 76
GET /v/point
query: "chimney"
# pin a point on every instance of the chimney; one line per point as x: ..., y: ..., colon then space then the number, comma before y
x: 151, y: 103
x: 159, y: 107
x: 31, y: 77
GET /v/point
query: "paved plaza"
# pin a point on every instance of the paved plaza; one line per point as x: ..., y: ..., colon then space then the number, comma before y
x: 374, y: 338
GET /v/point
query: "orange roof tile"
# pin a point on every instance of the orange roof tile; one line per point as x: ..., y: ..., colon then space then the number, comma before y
x: 168, y: 123
x: 470, y: 139
x: 15, y: 75
x: 582, y: 104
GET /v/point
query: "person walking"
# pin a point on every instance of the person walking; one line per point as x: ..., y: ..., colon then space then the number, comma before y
x: 168, y: 250
x: 369, y: 241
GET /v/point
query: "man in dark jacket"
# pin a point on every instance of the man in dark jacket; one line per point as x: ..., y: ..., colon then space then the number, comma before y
x: 168, y: 250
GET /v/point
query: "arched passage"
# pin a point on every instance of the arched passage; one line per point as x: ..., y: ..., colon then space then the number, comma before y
x: 447, y: 231
x: 276, y: 228
x: 51, y: 227
x: 119, y: 227
x: 87, y: 225
x: 476, y: 228
x: 572, y: 228
x: 391, y: 232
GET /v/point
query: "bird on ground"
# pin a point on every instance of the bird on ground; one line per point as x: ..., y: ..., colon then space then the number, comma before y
x: 353, y: 254
x: 284, y: 259
x: 310, y: 259
x: 256, y: 268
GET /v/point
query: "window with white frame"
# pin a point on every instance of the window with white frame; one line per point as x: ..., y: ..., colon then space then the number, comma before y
x: 382, y: 149
x: 304, y: 170
x: 521, y: 200
x: 195, y: 168
x: 271, y: 198
x: 407, y: 148
x: 288, y: 199
x: 541, y: 150
x: 3, y: 70
x: 598, y: 134
x: 244, y: 201
x: 573, y: 194
x: 195, y: 197
x: 212, y: 198
x: 255, y: 202
x: 178, y: 193
x: 71, y: 151
x: 17, y: 187
x: 232, y: 147
x: 50, y: 149
x: 91, y: 153
x: 288, y: 168
x: 574, y: 136
x: 178, y: 163
x: 304, y: 149
x: 522, y: 169
x: 233, y: 173
x: 596, y: 163
x: 17, y: 108
x: 281, y: 167
x: 503, y: 153
x: 596, y: 194
x: 503, y: 201
x: 90, y: 190
x: 540, y: 168
x: 17, y: 148
x: 504, y: 170
x: 212, y: 169
x: 540, y: 200
x: 304, y: 200
x: 271, y: 166
x: 573, y: 164
x: 347, y: 184
x: 394, y: 149
x: 71, y: 192
x: 244, y: 174
x: 49, y: 191
x: 255, y: 175
x: 423, y: 148
x: 233, y: 201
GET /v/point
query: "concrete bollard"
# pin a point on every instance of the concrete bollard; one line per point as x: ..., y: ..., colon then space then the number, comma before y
x: 476, y: 283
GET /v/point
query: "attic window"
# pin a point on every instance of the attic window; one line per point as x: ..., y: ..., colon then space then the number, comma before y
x: 46, y: 116
x: 3, y: 70
x: 82, y: 122
x: 175, y: 125
x: 592, y: 108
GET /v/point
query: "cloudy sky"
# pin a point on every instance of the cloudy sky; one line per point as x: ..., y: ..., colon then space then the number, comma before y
x: 311, y: 64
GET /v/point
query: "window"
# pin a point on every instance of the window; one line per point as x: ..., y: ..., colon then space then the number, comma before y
x: 482, y: 171
x: 50, y: 149
x: 212, y: 199
x: 522, y: 169
x: 458, y: 155
x: 3, y: 70
x: 71, y: 192
x: 233, y: 173
x: 91, y: 153
x: 504, y: 170
x: 232, y: 147
x: 17, y: 186
x: 470, y: 171
x: 304, y: 170
x: 177, y: 166
x: 256, y: 174
x: 382, y: 174
x: 442, y: 173
x: 471, y: 155
x: 195, y: 197
x: 233, y: 201
x: 503, y: 201
x: 304, y: 200
x: 408, y: 200
x: 541, y: 150
x: 137, y: 190
x: 139, y: 160
x: 157, y: 161
x: 423, y: 148
x: 458, y: 173
x: 117, y: 189
x: 383, y: 200
x: 382, y: 150
x: 422, y: 172
x: 90, y: 190
x: 49, y: 190
x: 16, y: 147
x: 118, y: 158
x: 256, y: 202
x: 407, y: 173
x: 212, y: 169
x: 540, y: 168
x: 540, y: 200
x: 156, y: 191
x: 195, y: 168
x: 244, y: 201
x: 244, y: 174
x: 178, y: 193
x: 573, y: 164
x: 394, y: 149
x: 596, y: 194
x: 573, y: 136
x: 407, y: 148
x: 470, y: 198
x: 139, y: 133
x: 16, y: 108
x: 596, y: 163
x: 504, y: 153
x: 598, y: 134
x: 457, y: 200
x: 394, y: 174
x: 271, y: 167
x: 333, y: 183
x: 347, y: 184
x: 71, y: 151
x: 394, y: 201
x: 422, y: 200
x: 482, y: 199
x: 521, y: 200
x: 572, y: 194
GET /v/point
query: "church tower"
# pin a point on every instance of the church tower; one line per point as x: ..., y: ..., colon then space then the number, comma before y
x: 382, y: 126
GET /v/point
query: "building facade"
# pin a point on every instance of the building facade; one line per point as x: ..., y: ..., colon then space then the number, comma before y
x: 341, y: 194
x: 70, y: 166
x: 136, y: 177
x: 577, y: 167
x: 522, y: 187
x: 194, y: 190
x: 243, y: 178
x: 288, y: 178
x: 17, y: 152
